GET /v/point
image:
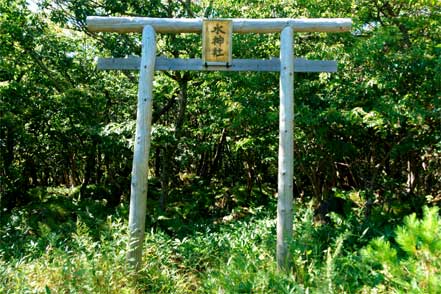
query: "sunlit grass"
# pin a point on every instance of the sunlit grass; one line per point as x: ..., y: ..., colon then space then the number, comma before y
x: 87, y: 254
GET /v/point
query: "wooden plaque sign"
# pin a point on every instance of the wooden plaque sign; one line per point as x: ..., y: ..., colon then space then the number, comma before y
x: 217, y: 42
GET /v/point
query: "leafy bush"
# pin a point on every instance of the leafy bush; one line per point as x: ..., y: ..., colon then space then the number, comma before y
x: 413, y: 263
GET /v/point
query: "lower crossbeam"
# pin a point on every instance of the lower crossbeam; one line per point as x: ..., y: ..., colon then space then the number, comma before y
x: 169, y: 64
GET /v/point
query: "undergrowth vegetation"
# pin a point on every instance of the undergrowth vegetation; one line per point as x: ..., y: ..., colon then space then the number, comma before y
x: 367, y: 153
x: 86, y: 253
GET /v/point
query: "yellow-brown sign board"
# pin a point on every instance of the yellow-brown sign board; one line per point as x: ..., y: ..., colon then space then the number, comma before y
x: 217, y: 42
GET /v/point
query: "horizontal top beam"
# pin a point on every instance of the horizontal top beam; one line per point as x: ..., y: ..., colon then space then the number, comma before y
x: 188, y: 25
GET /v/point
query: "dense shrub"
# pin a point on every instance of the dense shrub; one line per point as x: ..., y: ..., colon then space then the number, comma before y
x: 412, y: 261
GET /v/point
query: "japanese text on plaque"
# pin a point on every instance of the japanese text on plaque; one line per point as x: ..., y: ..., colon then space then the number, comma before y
x: 217, y: 42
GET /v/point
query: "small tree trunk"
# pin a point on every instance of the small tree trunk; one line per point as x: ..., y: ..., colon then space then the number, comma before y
x: 165, y: 177
x: 90, y: 165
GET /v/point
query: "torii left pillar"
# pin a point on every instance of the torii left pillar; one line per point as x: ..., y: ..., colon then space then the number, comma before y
x: 138, y: 191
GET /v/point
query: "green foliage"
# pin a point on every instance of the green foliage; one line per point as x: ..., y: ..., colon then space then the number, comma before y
x: 368, y: 134
x: 75, y: 265
x: 64, y: 123
x: 412, y: 264
x: 57, y: 251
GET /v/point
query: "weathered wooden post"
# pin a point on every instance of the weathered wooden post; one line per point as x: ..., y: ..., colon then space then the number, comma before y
x: 286, y: 149
x: 138, y: 189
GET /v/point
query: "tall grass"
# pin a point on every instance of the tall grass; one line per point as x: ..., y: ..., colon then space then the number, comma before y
x: 231, y: 257
x: 79, y: 265
x: 235, y: 257
x: 85, y: 254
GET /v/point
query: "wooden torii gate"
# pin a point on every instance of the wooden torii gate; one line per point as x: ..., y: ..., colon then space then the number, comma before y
x: 148, y: 63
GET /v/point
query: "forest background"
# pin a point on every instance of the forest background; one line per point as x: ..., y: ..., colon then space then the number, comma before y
x: 367, y: 153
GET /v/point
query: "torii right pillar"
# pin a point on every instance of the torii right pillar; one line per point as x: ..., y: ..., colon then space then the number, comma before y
x: 286, y: 149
